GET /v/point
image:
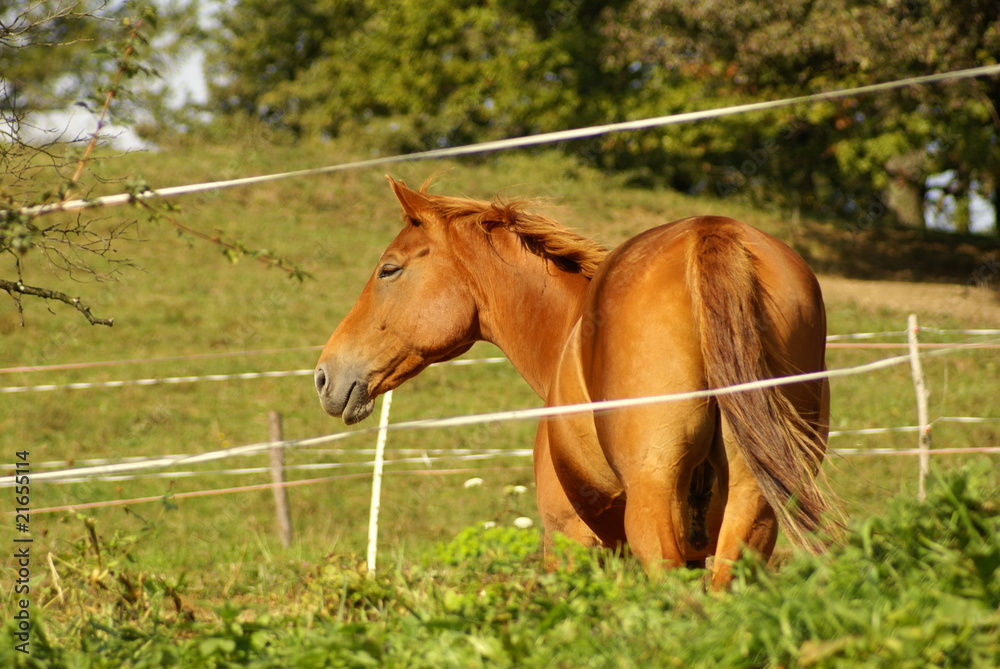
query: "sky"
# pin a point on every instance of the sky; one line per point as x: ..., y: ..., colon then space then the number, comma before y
x: 187, y: 81
x: 184, y: 80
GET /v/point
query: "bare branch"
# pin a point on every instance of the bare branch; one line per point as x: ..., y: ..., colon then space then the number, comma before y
x: 232, y: 249
x: 16, y: 289
x: 27, y: 21
x: 102, y: 117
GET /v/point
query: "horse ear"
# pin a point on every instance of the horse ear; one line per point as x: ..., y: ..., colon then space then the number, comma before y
x: 413, y: 203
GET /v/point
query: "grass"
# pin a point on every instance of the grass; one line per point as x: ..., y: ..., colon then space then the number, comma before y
x: 918, y: 587
x: 186, y: 299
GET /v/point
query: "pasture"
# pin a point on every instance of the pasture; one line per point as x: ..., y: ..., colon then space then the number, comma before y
x: 204, y: 581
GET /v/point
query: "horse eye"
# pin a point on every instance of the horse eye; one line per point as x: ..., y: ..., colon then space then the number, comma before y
x: 389, y: 271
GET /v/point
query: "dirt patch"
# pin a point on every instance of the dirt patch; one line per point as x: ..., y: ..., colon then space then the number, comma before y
x: 973, y: 306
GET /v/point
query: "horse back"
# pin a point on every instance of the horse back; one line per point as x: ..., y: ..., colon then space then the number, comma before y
x: 645, y: 290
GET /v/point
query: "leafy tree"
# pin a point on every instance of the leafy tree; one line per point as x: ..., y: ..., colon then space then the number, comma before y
x: 30, y: 35
x: 409, y: 75
x: 869, y: 157
x: 414, y: 74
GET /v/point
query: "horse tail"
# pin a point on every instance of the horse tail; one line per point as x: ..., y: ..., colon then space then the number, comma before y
x: 782, y: 450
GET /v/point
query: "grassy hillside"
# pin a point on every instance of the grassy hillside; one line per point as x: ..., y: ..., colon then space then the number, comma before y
x: 183, y: 298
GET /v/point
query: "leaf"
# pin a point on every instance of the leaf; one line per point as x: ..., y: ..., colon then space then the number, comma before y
x: 216, y: 646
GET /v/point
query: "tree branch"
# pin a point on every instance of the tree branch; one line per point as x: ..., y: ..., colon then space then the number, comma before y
x: 102, y: 117
x: 16, y: 289
x: 231, y: 249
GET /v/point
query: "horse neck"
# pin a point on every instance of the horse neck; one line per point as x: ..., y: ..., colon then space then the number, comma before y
x: 527, y: 306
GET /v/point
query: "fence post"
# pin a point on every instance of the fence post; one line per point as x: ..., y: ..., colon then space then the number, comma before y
x: 278, y: 478
x: 920, y: 385
x: 383, y: 423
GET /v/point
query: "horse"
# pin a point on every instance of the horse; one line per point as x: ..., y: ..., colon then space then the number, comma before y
x: 699, y: 303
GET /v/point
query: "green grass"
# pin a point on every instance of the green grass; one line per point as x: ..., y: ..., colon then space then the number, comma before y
x: 918, y: 587
x: 187, y: 299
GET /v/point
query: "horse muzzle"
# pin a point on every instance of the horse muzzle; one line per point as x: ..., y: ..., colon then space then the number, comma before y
x: 343, y: 394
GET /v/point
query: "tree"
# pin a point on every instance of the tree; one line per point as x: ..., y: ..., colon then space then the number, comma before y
x: 410, y: 74
x: 868, y: 158
x: 52, y: 53
x: 37, y: 42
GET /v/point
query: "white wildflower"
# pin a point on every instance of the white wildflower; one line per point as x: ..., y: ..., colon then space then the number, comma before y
x: 473, y: 483
x: 523, y: 523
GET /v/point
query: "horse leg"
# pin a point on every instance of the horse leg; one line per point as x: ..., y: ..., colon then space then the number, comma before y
x: 654, y: 524
x: 554, y: 507
x: 656, y: 451
x: 748, y: 522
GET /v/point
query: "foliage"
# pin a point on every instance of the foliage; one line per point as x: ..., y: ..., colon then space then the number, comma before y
x: 42, y: 43
x: 846, y: 155
x: 44, y: 171
x: 96, y: 577
x: 51, y: 54
x: 917, y: 587
x: 498, y: 547
x: 405, y: 76
x: 412, y: 74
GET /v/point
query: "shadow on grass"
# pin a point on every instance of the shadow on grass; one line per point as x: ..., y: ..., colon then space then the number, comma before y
x: 901, y: 254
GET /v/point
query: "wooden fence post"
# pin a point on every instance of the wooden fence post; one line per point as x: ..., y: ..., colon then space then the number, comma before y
x: 278, y: 478
x: 920, y: 385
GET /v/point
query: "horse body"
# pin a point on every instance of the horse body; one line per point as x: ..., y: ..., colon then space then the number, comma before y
x: 672, y: 480
x: 700, y: 303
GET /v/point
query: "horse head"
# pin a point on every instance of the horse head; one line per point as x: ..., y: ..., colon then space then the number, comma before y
x: 416, y: 309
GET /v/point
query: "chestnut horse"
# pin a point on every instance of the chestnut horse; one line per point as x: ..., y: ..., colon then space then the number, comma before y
x: 700, y: 303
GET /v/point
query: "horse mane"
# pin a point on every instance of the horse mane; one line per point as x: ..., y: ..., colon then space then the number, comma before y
x: 543, y: 236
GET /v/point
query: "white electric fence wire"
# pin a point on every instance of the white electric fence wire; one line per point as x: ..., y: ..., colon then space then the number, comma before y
x: 475, y: 419
x: 866, y: 335
x: 517, y: 142
x: 963, y: 332
x: 231, y: 354
x: 169, y: 380
x: 849, y: 452
x: 149, y: 361
x: 173, y: 380
x: 299, y: 349
x: 427, y: 456
x: 132, y: 464
x: 54, y: 464
x: 490, y: 454
x: 319, y: 466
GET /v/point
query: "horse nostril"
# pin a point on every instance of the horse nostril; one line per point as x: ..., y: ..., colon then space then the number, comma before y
x: 320, y: 377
